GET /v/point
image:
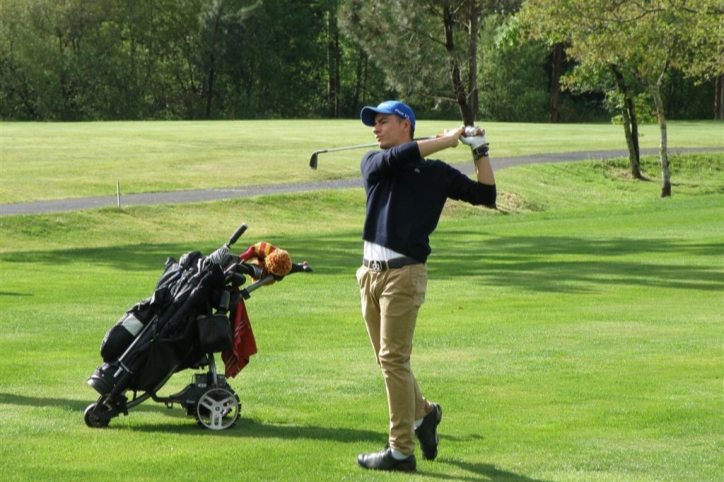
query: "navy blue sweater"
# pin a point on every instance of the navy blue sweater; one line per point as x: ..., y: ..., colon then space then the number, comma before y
x: 406, y: 195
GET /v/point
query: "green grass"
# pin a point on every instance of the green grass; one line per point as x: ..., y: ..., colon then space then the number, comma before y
x: 575, y: 335
x: 43, y: 161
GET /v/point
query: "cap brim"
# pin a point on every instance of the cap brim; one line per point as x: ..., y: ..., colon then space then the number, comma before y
x: 368, y: 114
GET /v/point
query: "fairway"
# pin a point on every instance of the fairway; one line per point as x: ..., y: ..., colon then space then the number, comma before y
x: 42, y: 161
x: 574, y: 335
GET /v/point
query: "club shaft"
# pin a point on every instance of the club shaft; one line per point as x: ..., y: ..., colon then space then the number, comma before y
x: 313, y: 160
x: 334, y: 149
x: 374, y: 144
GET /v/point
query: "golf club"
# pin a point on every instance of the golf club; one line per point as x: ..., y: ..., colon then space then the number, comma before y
x: 313, y: 160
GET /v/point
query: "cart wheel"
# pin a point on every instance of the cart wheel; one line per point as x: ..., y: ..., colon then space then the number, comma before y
x: 95, y: 417
x: 218, y: 409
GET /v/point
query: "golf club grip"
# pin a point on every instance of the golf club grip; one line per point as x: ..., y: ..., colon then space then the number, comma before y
x: 235, y: 237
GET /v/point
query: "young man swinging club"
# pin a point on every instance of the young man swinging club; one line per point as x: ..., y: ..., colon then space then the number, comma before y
x: 405, y: 197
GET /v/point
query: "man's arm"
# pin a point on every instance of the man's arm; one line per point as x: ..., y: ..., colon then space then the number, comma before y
x: 483, y: 168
x: 450, y: 138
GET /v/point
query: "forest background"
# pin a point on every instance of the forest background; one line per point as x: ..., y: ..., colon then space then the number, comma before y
x: 89, y: 60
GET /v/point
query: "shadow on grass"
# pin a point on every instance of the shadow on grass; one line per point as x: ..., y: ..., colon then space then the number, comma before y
x: 140, y: 257
x: 24, y: 400
x: 63, y: 403
x: 480, y: 472
x: 569, y: 264
x: 542, y: 263
x: 248, y: 428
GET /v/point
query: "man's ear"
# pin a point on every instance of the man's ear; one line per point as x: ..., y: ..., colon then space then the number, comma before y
x: 409, y: 127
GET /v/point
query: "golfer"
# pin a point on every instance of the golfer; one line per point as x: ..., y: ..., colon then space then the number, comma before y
x: 405, y: 197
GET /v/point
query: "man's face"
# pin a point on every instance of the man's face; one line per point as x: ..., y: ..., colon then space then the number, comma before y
x: 391, y: 130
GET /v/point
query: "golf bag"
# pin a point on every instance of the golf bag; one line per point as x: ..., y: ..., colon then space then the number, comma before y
x: 197, y: 309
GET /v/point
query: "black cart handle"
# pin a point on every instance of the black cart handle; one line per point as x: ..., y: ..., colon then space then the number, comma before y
x: 235, y: 237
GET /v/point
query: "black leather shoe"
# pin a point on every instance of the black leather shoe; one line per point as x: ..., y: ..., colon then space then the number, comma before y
x: 384, y: 460
x: 427, y: 432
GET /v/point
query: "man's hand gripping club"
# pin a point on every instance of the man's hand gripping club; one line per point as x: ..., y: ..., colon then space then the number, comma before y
x: 474, y: 137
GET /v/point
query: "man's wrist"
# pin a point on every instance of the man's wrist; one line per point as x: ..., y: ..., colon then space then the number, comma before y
x: 480, y: 151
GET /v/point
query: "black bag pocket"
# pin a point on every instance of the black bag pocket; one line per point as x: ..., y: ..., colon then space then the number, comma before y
x: 214, y: 333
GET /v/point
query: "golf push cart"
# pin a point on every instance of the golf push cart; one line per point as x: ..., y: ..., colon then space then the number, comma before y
x: 197, y: 310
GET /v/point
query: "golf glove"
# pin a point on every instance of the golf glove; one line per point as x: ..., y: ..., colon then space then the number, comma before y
x: 218, y: 256
x: 474, y: 137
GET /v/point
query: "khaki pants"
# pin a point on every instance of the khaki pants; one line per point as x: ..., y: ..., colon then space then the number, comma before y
x: 390, y: 302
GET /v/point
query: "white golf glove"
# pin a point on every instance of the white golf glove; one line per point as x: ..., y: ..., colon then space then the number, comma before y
x: 474, y: 137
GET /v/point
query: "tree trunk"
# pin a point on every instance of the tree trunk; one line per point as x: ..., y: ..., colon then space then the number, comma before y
x: 631, y: 109
x: 473, y: 57
x: 663, y: 156
x: 556, y: 64
x: 209, y: 89
x: 630, y: 124
x: 365, y: 77
x: 358, y: 80
x: 719, y: 98
x: 212, y: 63
x: 466, y: 111
x: 333, y: 66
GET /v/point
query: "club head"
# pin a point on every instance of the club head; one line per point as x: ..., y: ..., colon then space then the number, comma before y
x: 313, y: 161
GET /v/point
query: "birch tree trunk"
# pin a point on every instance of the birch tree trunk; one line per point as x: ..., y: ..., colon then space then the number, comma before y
x: 663, y: 155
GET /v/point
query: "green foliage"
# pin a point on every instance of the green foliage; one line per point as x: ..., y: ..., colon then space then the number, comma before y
x: 387, y: 31
x: 279, y: 76
x: 405, y: 40
x: 642, y: 104
x: 685, y: 98
x: 81, y: 60
x: 513, y: 81
x: 643, y: 40
x: 96, y: 59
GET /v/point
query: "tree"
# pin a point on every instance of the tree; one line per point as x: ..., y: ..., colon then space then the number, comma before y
x: 573, y: 24
x: 703, y: 56
x: 629, y: 120
x: 556, y: 64
x: 413, y: 41
x: 217, y: 18
x: 621, y: 98
x: 513, y: 82
x: 98, y: 59
x: 334, y: 60
x: 171, y: 59
x: 46, y: 51
x: 643, y: 39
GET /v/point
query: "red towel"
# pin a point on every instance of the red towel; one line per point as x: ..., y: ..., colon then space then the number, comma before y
x: 244, y: 346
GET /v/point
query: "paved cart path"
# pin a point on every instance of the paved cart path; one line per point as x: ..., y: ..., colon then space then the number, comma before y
x: 174, y: 197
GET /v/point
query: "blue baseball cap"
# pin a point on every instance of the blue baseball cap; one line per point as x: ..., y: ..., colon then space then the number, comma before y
x: 387, y: 107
